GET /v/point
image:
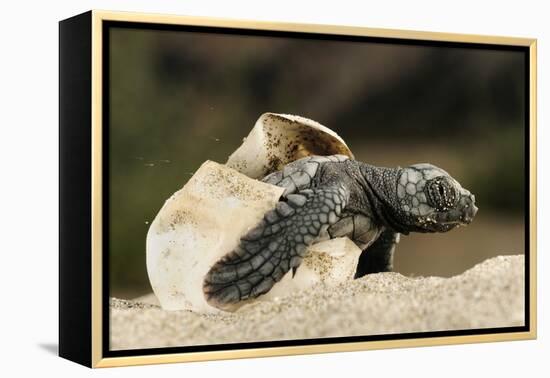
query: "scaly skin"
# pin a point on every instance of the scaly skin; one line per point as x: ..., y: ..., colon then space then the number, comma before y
x: 331, y: 196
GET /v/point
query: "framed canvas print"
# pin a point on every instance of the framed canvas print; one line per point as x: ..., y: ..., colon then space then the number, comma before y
x: 235, y: 189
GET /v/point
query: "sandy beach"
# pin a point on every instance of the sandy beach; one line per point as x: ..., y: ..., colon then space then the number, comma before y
x: 491, y: 294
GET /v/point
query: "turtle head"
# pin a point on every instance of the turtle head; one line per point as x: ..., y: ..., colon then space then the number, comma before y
x: 430, y: 200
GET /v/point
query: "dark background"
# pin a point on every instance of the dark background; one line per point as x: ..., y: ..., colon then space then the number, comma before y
x: 179, y: 98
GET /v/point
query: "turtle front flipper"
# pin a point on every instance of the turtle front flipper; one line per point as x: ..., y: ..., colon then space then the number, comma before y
x: 277, y: 244
x: 378, y: 257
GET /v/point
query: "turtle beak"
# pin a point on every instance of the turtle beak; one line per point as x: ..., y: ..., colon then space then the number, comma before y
x: 470, y: 209
x: 463, y: 214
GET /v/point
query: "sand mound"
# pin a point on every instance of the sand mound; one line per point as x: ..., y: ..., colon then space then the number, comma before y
x: 491, y: 294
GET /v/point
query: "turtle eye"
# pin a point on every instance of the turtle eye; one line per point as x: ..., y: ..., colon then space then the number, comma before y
x: 441, y: 194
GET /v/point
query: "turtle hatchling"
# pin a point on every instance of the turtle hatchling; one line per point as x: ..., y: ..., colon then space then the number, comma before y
x: 334, y: 196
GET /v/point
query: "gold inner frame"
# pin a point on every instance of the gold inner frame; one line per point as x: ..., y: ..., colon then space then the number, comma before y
x: 97, y: 152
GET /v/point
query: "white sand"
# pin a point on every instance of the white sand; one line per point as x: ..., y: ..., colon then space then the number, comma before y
x: 491, y: 294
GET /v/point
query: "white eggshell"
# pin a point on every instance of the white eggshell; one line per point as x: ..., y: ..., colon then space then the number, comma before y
x: 330, y: 262
x: 278, y: 139
x: 197, y: 226
x: 205, y: 220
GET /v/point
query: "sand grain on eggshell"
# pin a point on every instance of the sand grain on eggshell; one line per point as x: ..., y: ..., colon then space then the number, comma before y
x: 489, y: 295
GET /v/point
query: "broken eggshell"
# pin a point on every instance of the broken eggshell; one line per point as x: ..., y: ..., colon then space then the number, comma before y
x: 197, y: 226
x: 204, y: 220
x: 278, y: 139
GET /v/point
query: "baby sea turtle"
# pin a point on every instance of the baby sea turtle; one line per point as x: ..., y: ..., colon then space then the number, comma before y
x: 334, y: 196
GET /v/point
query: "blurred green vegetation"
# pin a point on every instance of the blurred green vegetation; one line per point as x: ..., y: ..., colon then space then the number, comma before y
x: 179, y: 98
